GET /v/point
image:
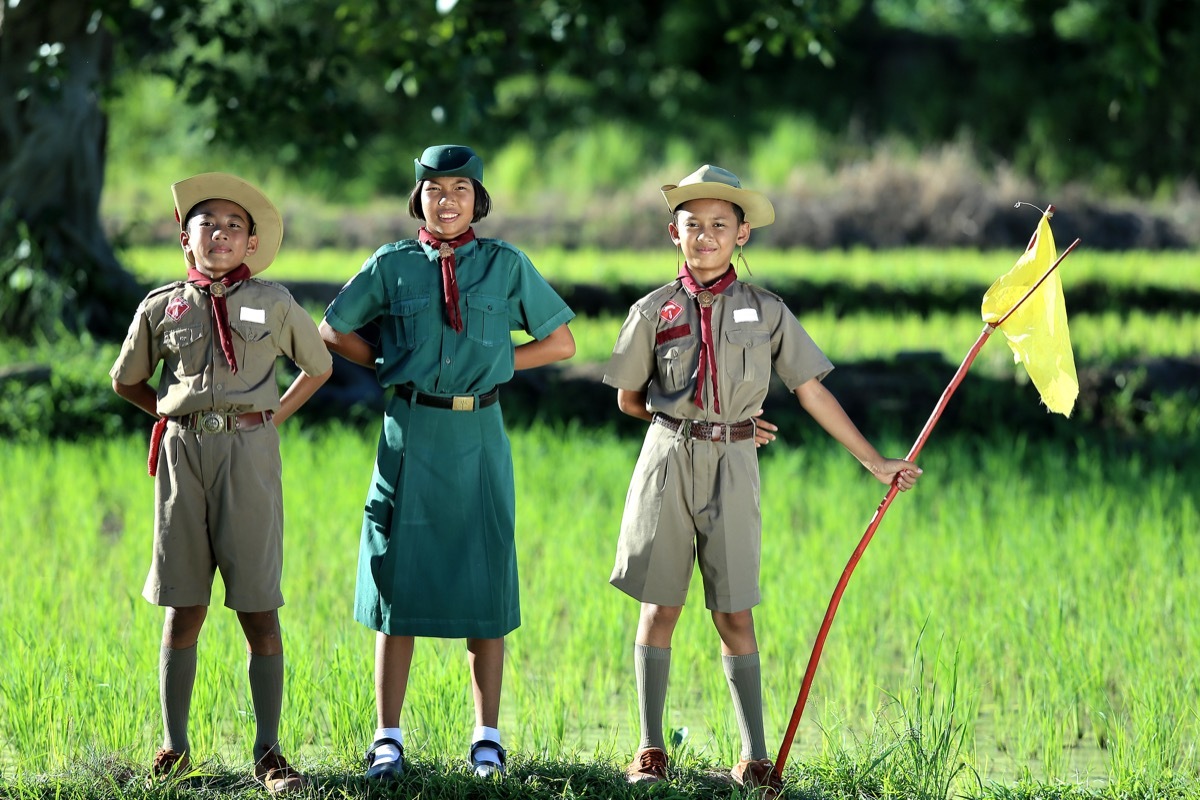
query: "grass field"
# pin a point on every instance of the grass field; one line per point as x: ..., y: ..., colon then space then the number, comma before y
x: 1037, y: 603
x: 926, y: 270
x: 1023, y: 625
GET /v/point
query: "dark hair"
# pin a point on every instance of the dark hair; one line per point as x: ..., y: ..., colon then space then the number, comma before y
x: 483, y: 201
x: 192, y: 212
x: 737, y: 211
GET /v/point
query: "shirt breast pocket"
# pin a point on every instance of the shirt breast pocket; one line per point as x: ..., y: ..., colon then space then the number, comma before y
x: 677, y: 362
x: 749, y: 355
x: 487, y: 319
x: 254, y: 349
x: 410, y: 321
x: 188, y: 346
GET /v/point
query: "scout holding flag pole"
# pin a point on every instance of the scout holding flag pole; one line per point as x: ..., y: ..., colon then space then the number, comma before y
x: 1037, y: 333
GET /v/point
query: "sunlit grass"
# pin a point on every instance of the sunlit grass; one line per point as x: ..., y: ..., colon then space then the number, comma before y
x: 1059, y: 579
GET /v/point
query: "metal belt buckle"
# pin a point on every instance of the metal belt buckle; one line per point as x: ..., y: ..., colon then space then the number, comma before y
x: 461, y: 403
x: 212, y: 422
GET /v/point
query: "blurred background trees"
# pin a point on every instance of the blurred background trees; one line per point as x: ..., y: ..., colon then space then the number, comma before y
x: 332, y: 90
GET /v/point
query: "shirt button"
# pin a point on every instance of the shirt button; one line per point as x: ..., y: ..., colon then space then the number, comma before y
x: 220, y: 387
x: 447, y: 359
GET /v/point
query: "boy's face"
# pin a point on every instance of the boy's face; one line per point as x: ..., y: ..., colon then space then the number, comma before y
x: 217, y: 237
x: 448, y: 205
x: 707, y: 231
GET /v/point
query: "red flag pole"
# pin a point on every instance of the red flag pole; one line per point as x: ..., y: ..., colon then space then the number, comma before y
x: 827, y: 622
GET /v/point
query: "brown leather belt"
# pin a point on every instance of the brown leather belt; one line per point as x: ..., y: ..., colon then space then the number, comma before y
x: 221, y: 421
x: 461, y: 402
x: 708, y: 431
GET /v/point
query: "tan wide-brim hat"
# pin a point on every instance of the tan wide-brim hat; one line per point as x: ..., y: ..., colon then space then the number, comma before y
x: 714, y: 183
x: 268, y: 222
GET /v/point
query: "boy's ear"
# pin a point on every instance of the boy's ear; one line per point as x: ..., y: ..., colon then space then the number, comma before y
x: 185, y: 243
x: 673, y: 230
x: 743, y: 233
x: 252, y: 244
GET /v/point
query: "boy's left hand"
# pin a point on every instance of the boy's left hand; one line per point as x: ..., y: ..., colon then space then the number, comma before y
x: 764, y: 432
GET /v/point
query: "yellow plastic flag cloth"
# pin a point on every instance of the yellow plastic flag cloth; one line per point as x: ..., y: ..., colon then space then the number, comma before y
x: 1037, y: 330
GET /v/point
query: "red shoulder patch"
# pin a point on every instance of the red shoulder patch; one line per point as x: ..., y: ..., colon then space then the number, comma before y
x: 177, y: 308
x: 670, y: 311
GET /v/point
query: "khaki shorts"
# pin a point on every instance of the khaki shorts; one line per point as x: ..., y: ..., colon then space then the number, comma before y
x: 691, y: 502
x: 218, y: 506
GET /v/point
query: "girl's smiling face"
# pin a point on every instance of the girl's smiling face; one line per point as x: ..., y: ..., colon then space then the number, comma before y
x: 707, y: 231
x: 448, y: 205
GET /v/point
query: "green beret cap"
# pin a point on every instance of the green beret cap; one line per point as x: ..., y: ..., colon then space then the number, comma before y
x: 449, y: 161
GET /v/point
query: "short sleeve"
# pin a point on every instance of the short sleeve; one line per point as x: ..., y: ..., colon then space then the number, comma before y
x: 795, y: 355
x: 632, y: 363
x: 302, y: 343
x: 360, y: 301
x: 535, y: 306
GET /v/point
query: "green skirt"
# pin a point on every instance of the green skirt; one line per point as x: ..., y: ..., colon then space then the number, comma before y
x: 437, y: 555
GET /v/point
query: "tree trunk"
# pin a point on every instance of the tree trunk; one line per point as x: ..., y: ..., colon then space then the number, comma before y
x: 57, y: 269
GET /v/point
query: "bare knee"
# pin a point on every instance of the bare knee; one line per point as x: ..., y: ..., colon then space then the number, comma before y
x: 181, y: 626
x: 657, y: 624
x: 736, y: 630
x: 262, y: 632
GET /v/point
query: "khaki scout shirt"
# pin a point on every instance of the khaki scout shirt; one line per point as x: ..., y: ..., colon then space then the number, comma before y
x: 658, y: 351
x: 174, y: 325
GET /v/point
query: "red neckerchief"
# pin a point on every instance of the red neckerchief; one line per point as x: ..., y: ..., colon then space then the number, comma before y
x: 705, y: 296
x: 449, y: 281
x: 219, y: 310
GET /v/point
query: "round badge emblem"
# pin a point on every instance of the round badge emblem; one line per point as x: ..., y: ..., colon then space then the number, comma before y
x: 216, y: 289
x: 706, y: 298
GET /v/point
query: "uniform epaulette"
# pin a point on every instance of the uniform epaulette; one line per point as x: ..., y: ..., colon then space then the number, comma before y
x: 173, y: 285
x: 279, y: 287
x: 761, y: 290
x: 651, y: 303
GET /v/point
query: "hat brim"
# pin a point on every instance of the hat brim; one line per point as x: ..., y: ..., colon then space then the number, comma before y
x: 268, y: 222
x: 757, y: 208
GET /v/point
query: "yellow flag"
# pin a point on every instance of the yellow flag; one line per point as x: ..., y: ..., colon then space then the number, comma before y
x: 1037, y: 330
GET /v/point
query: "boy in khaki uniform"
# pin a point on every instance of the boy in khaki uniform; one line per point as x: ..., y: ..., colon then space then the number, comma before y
x: 215, y: 448
x: 694, y: 358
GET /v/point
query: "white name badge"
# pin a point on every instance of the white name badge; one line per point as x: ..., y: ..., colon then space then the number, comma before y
x: 745, y: 315
x: 253, y: 315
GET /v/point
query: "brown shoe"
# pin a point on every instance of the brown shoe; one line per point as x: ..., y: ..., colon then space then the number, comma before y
x: 274, y: 772
x: 758, y: 774
x: 649, y: 765
x: 168, y: 764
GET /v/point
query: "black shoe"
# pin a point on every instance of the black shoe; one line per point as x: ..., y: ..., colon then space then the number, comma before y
x: 384, y: 771
x: 487, y: 769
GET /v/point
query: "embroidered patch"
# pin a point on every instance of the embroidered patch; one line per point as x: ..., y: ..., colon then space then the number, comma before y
x: 670, y: 311
x: 678, y: 332
x: 177, y: 308
x: 745, y: 315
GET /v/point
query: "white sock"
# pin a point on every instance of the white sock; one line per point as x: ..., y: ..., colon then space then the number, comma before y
x: 388, y: 752
x: 486, y: 734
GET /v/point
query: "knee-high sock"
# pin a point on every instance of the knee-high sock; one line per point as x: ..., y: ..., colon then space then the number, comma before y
x: 745, y: 685
x: 652, y: 668
x: 176, y: 677
x: 266, y: 692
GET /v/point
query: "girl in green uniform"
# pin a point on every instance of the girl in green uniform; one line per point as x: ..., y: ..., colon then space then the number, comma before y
x: 437, y: 554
